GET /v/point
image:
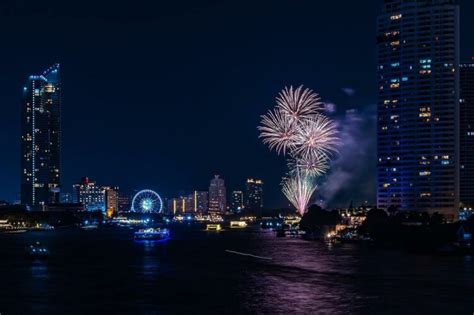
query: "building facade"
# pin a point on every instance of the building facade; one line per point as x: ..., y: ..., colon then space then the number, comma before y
x: 40, y: 139
x: 466, y: 127
x: 123, y: 202
x: 237, y: 201
x: 418, y: 105
x: 111, y: 200
x: 90, y: 195
x: 254, y: 194
x: 217, y: 196
x: 201, y: 201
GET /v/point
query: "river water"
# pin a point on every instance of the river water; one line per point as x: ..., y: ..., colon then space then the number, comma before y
x: 106, y: 271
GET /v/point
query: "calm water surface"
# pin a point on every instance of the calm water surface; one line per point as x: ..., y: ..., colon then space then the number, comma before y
x: 105, y: 271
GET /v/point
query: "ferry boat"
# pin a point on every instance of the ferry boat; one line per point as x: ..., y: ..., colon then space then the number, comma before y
x: 238, y: 224
x: 213, y: 227
x: 6, y: 227
x: 152, y: 234
x: 37, y: 251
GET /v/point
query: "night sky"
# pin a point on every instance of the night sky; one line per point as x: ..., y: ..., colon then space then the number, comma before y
x: 164, y: 96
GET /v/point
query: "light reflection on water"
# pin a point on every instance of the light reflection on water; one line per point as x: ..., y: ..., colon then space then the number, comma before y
x: 108, y: 271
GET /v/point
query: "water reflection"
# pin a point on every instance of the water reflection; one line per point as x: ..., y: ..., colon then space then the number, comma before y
x: 39, y: 270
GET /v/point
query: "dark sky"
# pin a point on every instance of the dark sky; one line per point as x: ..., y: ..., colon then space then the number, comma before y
x: 163, y: 96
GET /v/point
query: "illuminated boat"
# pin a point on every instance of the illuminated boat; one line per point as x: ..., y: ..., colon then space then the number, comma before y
x: 152, y: 234
x: 238, y: 224
x: 213, y: 227
x: 37, y: 251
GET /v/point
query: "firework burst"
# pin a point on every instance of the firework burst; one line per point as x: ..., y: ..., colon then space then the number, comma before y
x: 298, y: 189
x: 277, y: 131
x: 298, y: 103
x: 297, y: 128
x: 312, y: 165
x: 316, y: 136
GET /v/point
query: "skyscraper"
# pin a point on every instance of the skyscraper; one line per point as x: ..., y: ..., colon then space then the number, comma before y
x: 40, y: 138
x: 466, y: 105
x: 418, y: 105
x: 217, y: 196
x: 254, y: 194
x: 237, y: 201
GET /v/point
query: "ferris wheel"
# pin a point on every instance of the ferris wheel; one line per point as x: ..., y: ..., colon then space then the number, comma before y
x: 147, y: 201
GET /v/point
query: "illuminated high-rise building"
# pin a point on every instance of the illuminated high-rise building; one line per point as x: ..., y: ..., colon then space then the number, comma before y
x: 418, y: 106
x: 254, y: 194
x: 90, y: 195
x: 111, y: 200
x: 217, y: 196
x: 237, y: 201
x: 466, y: 105
x: 201, y: 201
x: 40, y: 138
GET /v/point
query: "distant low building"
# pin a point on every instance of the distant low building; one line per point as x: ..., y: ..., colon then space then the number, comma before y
x: 90, y: 195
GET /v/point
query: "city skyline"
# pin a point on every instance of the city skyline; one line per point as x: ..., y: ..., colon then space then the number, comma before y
x: 165, y: 164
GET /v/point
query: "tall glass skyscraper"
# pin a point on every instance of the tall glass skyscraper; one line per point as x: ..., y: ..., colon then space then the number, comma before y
x: 467, y: 135
x: 418, y: 105
x: 40, y: 138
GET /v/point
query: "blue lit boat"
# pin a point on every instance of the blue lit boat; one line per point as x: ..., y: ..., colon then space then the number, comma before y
x: 37, y: 251
x: 152, y: 234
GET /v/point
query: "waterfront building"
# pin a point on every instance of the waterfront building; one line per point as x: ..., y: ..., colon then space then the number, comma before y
x: 66, y: 197
x: 40, y: 139
x: 90, y: 195
x: 237, y: 201
x: 123, y: 202
x: 111, y: 200
x: 217, y: 196
x: 466, y: 127
x: 418, y: 106
x: 175, y: 206
x: 201, y: 201
x: 254, y: 194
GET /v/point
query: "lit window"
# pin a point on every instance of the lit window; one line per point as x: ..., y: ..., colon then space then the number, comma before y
x: 396, y: 17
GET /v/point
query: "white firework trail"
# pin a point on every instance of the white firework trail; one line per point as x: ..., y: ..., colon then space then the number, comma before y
x: 277, y: 131
x: 316, y: 136
x: 298, y: 189
x: 299, y: 103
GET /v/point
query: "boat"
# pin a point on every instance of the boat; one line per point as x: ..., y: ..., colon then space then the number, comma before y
x: 37, y: 251
x: 6, y: 227
x: 213, y: 227
x: 152, y: 234
x: 238, y: 224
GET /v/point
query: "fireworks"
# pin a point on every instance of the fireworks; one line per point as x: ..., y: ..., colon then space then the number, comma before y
x: 298, y: 103
x: 277, y: 131
x: 311, y: 165
x: 316, y: 136
x: 296, y: 127
x: 299, y: 189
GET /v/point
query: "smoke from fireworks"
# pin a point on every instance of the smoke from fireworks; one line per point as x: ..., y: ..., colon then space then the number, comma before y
x: 297, y: 127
